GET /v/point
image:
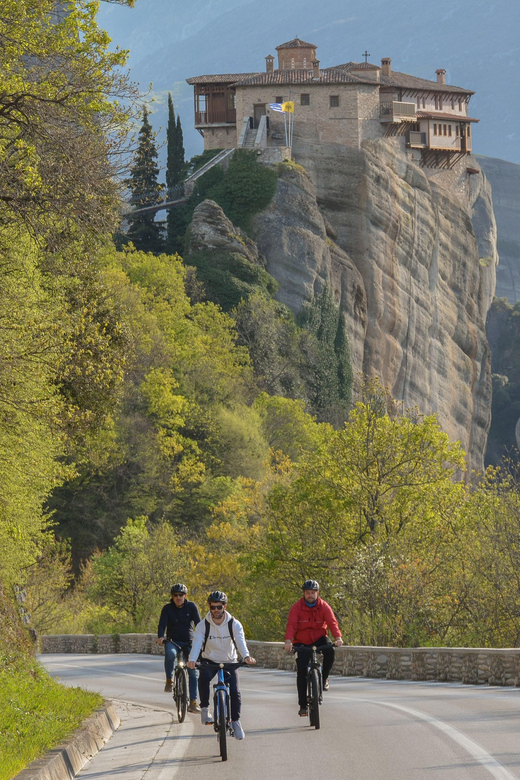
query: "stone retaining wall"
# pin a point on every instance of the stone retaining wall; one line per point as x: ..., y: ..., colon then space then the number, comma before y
x: 445, y: 664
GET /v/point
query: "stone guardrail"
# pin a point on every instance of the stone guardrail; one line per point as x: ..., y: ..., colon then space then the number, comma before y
x: 473, y: 666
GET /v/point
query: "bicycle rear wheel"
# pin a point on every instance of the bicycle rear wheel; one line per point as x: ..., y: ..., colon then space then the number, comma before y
x: 314, y: 709
x: 181, y: 692
x: 222, y: 724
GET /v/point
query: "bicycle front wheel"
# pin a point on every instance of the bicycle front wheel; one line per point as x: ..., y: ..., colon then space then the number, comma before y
x: 222, y: 724
x: 314, y: 710
x: 181, y: 693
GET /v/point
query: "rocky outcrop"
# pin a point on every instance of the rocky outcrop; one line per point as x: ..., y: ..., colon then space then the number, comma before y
x: 211, y: 229
x: 406, y: 269
x: 294, y: 237
x: 411, y: 263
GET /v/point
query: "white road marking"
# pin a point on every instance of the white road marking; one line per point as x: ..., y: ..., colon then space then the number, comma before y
x: 98, y: 670
x: 484, y: 758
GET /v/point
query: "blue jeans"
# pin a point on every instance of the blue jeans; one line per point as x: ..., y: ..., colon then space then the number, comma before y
x: 170, y: 654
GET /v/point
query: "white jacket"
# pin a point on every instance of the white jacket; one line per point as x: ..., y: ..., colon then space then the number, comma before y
x: 219, y: 647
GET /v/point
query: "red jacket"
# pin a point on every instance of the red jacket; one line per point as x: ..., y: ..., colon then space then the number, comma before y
x: 308, y: 624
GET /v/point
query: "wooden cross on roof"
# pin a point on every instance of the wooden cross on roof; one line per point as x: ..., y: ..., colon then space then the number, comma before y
x: 366, y: 55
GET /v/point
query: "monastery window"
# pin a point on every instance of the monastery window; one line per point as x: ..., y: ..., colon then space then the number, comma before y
x: 305, y: 63
x: 449, y: 130
x: 278, y: 99
x: 305, y: 100
x: 292, y: 63
x: 445, y: 130
x: 334, y: 101
x: 435, y: 128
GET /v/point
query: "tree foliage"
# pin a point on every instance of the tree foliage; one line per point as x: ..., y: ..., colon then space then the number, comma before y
x: 143, y: 230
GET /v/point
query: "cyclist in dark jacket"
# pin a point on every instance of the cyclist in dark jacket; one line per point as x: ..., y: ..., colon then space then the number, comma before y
x: 177, y: 621
x: 309, y: 620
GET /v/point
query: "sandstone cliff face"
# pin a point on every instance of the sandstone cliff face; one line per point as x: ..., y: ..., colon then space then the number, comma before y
x: 406, y: 270
x: 505, y: 180
x: 412, y: 273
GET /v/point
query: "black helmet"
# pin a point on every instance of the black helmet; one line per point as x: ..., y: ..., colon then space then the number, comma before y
x: 217, y: 595
x: 310, y: 585
x: 179, y: 588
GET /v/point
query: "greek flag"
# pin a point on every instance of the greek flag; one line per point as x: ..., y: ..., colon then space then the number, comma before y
x: 276, y: 107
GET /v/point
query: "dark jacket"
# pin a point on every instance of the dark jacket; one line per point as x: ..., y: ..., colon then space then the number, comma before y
x: 177, y: 621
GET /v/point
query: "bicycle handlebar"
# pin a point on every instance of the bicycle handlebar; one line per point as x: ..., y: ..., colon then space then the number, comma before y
x: 300, y: 646
x: 222, y: 664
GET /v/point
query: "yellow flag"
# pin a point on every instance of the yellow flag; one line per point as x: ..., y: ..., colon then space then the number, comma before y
x: 288, y: 107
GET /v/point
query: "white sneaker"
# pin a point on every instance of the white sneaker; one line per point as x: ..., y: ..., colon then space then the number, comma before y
x: 237, y: 728
x: 205, y: 716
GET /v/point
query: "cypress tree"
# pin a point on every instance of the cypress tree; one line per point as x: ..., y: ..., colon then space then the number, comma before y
x: 176, y: 218
x: 175, y: 148
x: 144, y: 231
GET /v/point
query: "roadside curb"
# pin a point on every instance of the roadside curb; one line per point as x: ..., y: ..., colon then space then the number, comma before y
x: 66, y: 760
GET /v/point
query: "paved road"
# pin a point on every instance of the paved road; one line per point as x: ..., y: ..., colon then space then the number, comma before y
x: 371, y: 729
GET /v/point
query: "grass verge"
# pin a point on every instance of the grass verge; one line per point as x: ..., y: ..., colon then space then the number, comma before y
x: 36, y: 712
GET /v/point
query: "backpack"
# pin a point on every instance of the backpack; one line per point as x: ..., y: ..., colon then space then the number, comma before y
x: 207, y: 629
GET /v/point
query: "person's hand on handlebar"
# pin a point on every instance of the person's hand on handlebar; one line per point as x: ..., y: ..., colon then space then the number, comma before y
x: 161, y: 641
x: 250, y: 661
x: 191, y: 664
x: 338, y: 642
x: 288, y: 646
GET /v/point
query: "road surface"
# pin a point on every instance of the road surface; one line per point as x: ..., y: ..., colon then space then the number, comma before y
x: 371, y: 729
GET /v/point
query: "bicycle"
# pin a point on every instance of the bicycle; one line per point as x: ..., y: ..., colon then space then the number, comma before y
x: 314, y: 684
x: 180, y: 681
x: 222, y: 705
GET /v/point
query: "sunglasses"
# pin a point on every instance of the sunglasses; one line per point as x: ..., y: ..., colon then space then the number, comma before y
x: 179, y: 595
x: 215, y: 607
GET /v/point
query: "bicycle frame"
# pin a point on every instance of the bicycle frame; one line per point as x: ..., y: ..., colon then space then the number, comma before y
x: 222, y: 704
x: 314, y: 683
x: 180, y: 680
x: 221, y: 685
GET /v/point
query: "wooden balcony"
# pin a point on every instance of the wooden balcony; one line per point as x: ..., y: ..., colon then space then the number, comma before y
x: 416, y: 140
x: 397, y: 111
x: 215, y: 117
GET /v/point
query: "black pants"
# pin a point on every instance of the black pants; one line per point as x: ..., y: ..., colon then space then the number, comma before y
x: 302, y: 663
x: 206, y: 674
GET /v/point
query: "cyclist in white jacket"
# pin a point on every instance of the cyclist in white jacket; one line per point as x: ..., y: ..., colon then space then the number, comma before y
x: 219, y: 638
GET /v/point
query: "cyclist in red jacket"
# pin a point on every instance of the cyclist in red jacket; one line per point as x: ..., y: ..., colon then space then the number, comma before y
x: 308, y: 622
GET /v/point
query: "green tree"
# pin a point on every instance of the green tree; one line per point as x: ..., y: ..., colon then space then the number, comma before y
x: 174, y: 149
x: 176, y: 222
x: 132, y: 578
x: 143, y: 230
x: 328, y: 359
x: 62, y: 120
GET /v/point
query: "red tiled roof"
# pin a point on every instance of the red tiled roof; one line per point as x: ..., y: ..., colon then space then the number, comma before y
x: 296, y: 43
x: 221, y: 78
x: 296, y: 76
x: 440, y: 115
x: 405, y: 81
x: 363, y: 66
